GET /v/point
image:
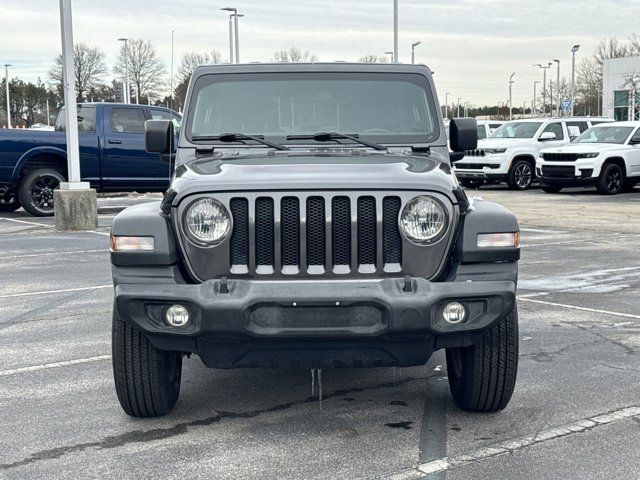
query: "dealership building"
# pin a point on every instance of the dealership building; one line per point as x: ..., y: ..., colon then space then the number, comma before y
x: 621, y: 88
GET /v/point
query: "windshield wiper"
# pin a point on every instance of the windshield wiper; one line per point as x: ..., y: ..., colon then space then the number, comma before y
x: 239, y: 137
x: 329, y: 136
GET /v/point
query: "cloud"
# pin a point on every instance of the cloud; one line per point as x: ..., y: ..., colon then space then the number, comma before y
x: 472, y: 46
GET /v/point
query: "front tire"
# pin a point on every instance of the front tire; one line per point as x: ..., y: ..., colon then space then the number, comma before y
x: 611, y: 179
x: 9, y: 202
x: 482, y: 377
x: 35, y: 192
x: 521, y: 175
x: 147, y: 379
x: 471, y: 183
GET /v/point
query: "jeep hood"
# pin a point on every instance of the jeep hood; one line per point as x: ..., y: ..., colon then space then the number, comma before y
x: 313, y: 171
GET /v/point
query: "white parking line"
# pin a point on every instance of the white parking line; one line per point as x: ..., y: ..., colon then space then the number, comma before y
x: 46, y: 366
x: 584, y: 309
x: 45, y: 292
x: 510, y: 446
x: 45, y: 254
x: 49, y: 226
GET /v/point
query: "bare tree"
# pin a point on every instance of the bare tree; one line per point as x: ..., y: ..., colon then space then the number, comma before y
x: 146, y: 71
x: 371, y: 58
x: 89, y: 68
x: 589, y: 70
x: 189, y: 62
x: 294, y: 55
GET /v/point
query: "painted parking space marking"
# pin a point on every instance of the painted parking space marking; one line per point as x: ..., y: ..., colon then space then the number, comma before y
x: 510, y: 446
x: 584, y: 309
x: 46, y: 225
x: 47, y: 292
x: 47, y: 366
x: 61, y: 252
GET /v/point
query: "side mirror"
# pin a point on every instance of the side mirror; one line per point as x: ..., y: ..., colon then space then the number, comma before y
x: 463, y: 134
x: 546, y: 136
x: 158, y: 136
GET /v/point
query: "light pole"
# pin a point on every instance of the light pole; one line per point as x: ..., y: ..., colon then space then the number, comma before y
x: 534, y: 102
x: 6, y: 77
x: 524, y: 108
x: 391, y: 56
x: 465, y: 109
x: 395, y: 31
x: 459, y: 98
x: 558, y: 88
x: 413, y: 51
x: 237, y: 35
x: 511, y: 82
x: 544, y: 87
x: 446, y: 105
x: 126, y: 69
x: 574, y: 49
x: 233, y: 11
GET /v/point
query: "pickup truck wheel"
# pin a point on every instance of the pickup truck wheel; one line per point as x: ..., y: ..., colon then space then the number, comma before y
x: 611, y: 179
x: 482, y: 377
x: 147, y: 379
x: 471, y: 182
x: 9, y: 203
x: 36, y: 191
x: 521, y: 175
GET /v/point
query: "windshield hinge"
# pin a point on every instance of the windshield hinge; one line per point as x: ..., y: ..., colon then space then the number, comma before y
x: 425, y: 150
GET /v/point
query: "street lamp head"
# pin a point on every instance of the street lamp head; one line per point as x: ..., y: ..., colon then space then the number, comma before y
x: 123, y: 39
x: 229, y: 9
x: 415, y: 44
x: 556, y: 60
x: 575, y: 48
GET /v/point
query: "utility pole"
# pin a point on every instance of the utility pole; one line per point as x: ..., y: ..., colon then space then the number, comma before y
x: 446, y: 105
x: 413, y: 51
x: 231, y: 36
x: 395, y: 31
x: 544, y: 87
x: 558, y: 88
x: 126, y: 69
x: 6, y: 77
x: 75, y: 204
x: 573, y: 74
x: 511, y: 82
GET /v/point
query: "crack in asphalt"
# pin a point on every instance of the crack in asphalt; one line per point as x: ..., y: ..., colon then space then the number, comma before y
x: 541, y: 354
x: 143, y: 436
x: 628, y: 350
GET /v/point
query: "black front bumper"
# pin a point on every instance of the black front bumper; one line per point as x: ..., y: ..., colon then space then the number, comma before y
x: 569, y: 182
x: 390, y: 322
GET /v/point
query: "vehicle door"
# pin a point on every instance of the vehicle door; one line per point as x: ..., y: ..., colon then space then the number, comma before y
x: 560, y: 139
x: 88, y: 141
x: 575, y: 128
x: 127, y: 165
x: 634, y: 154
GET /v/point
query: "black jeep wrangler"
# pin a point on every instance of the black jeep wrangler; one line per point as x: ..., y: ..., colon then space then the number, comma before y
x: 312, y: 221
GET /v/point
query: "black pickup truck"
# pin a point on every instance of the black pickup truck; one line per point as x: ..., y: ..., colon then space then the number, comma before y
x: 112, y: 156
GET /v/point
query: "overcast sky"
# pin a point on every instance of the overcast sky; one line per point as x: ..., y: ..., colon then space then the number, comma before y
x: 472, y: 45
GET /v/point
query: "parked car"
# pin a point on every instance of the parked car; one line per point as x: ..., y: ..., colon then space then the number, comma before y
x: 112, y: 156
x: 606, y: 156
x: 487, y: 127
x: 313, y: 221
x: 509, y: 154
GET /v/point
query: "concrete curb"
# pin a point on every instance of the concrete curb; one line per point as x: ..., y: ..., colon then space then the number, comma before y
x: 106, y: 209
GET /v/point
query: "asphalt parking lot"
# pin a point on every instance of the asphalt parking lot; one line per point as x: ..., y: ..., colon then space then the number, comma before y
x: 575, y: 412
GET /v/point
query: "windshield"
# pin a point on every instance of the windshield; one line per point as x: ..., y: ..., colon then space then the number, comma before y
x: 517, y: 130
x: 392, y: 108
x: 605, y: 135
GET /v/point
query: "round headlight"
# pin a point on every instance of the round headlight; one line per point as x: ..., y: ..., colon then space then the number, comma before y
x: 423, y: 219
x: 208, y: 221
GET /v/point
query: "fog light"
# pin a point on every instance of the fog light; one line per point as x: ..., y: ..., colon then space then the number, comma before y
x: 176, y: 315
x: 454, y: 312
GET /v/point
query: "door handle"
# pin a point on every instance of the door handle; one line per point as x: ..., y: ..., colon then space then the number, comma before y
x: 114, y: 142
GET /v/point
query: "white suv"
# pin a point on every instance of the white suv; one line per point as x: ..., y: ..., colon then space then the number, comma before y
x: 606, y: 156
x: 510, y: 153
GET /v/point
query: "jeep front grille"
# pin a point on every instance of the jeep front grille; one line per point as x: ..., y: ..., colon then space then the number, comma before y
x: 316, y: 234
